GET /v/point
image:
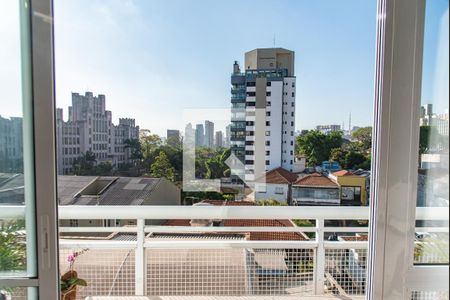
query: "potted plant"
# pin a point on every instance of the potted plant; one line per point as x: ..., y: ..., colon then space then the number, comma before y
x: 70, y: 279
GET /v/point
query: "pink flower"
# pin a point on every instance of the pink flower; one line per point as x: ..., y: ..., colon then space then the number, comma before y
x: 71, y: 258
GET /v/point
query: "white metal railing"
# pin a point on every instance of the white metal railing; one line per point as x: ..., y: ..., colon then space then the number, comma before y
x: 141, y: 213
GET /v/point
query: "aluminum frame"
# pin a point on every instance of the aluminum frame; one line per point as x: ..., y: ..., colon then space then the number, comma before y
x: 400, y: 38
x: 44, y: 145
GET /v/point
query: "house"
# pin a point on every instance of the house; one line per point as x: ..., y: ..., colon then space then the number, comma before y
x: 108, y: 190
x: 315, y: 189
x: 353, y: 186
x: 299, y: 164
x: 275, y: 184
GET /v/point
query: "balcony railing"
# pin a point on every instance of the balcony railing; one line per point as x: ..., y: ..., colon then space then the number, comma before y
x: 184, y: 260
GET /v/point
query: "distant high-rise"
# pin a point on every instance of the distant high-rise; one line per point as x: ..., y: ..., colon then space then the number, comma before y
x: 90, y: 128
x: 227, y: 135
x: 199, y: 135
x: 219, y: 139
x: 11, y: 145
x: 263, y: 112
x: 328, y: 128
x: 173, y: 137
x: 209, y: 134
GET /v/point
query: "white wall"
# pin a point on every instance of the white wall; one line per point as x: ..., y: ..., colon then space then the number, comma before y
x: 270, y: 192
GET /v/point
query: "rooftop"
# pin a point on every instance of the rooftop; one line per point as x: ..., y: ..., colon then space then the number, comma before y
x: 278, y: 176
x: 315, y: 180
x: 72, y: 190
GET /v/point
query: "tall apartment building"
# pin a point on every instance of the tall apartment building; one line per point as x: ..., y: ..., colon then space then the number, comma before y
x: 199, y: 135
x: 219, y: 139
x: 11, y: 145
x: 227, y: 135
x: 209, y: 134
x: 173, y: 137
x: 89, y: 128
x: 263, y: 112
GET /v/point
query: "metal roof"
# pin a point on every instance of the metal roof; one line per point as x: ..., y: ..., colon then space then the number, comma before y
x: 122, y: 190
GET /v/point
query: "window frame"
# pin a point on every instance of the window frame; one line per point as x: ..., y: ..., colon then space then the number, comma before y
x: 400, y: 38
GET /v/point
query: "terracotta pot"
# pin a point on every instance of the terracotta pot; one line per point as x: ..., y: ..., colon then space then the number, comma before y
x: 71, y: 293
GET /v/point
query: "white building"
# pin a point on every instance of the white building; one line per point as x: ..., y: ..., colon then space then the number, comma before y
x: 209, y: 134
x: 219, y: 139
x: 276, y: 185
x: 89, y: 128
x: 11, y: 145
x: 263, y: 112
x: 326, y: 129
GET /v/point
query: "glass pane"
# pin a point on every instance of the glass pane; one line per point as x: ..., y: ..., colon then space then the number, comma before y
x: 17, y: 224
x: 183, y: 103
x: 432, y: 239
x: 18, y: 293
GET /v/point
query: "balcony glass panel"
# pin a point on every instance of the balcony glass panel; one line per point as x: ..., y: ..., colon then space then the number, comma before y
x: 17, y: 226
x: 432, y: 237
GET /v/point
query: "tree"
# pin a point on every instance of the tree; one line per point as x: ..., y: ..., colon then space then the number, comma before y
x: 363, y: 138
x: 270, y: 202
x: 162, y: 167
x: 149, y: 143
x: 431, y: 140
x: 350, y: 157
x: 102, y: 169
x: 317, y: 146
x: 353, y: 160
x: 135, y: 147
x: 216, y: 166
x: 13, y: 246
x: 84, y: 164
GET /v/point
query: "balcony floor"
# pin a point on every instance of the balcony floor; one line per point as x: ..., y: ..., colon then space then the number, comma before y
x: 324, y: 297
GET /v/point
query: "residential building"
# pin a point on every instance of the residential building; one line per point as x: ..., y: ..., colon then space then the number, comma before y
x: 89, y: 128
x: 276, y: 185
x: 173, y: 138
x: 124, y: 132
x: 263, y: 112
x: 227, y: 135
x: 219, y: 139
x: 353, y: 187
x: 199, y: 135
x: 11, y: 145
x: 106, y: 190
x: 440, y: 121
x: 328, y: 128
x: 299, y: 164
x: 315, y: 189
x: 209, y: 134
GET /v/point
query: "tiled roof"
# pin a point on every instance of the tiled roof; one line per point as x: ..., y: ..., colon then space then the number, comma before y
x: 342, y: 173
x: 254, y: 236
x: 358, y: 238
x: 315, y: 179
x: 278, y: 176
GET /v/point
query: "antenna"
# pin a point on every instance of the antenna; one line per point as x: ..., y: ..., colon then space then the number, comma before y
x: 274, y: 40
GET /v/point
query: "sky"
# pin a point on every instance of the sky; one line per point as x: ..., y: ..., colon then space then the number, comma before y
x: 155, y: 59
